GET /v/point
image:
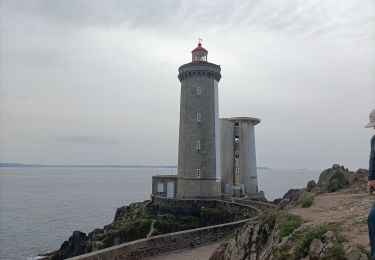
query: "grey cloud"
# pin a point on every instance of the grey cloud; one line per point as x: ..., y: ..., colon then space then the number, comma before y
x: 99, y: 84
x: 22, y: 97
x: 170, y: 16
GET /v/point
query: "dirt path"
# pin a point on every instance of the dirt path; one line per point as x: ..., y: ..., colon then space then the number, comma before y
x: 198, y: 253
x: 348, y: 207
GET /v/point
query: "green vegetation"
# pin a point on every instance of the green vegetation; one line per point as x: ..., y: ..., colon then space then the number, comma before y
x: 164, y: 226
x: 336, y: 252
x: 303, y: 246
x: 335, y: 228
x: 288, y: 223
x: 307, y: 201
x: 269, y: 218
x: 280, y: 254
x: 130, y: 231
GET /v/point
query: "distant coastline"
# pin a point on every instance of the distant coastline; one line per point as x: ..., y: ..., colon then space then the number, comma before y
x: 264, y: 168
x: 30, y: 165
x: 27, y: 165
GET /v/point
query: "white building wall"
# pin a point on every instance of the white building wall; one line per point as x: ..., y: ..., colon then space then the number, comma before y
x: 217, y: 132
x: 247, y: 153
x: 226, y: 132
x: 248, y: 167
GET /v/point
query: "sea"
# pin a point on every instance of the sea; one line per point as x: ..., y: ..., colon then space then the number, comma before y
x: 41, y: 207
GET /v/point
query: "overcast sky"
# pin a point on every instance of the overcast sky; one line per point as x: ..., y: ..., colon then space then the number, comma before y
x: 95, y: 82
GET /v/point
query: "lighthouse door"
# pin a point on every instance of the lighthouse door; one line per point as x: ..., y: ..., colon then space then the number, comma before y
x: 170, y: 189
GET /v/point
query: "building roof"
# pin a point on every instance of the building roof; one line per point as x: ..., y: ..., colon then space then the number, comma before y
x: 199, y: 48
x: 253, y: 120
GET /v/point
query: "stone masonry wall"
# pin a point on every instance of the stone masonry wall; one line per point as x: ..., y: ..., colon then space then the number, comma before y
x: 257, y: 204
x: 155, y: 245
x: 198, y: 203
x: 165, y: 243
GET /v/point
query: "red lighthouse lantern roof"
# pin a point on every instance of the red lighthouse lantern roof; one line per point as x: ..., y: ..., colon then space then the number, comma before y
x: 199, y: 48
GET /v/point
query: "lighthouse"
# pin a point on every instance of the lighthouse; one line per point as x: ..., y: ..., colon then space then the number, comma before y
x: 199, y: 131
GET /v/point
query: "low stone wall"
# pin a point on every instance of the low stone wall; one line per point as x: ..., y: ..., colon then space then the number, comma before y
x: 198, y: 203
x: 155, y: 245
x: 256, y: 204
x: 147, y: 247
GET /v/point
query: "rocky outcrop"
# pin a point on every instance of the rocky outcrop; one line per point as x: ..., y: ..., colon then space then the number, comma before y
x: 131, y: 222
x: 260, y: 240
x: 145, y: 219
x: 338, y: 177
x: 330, y: 180
x: 254, y: 241
x: 74, y: 246
x: 310, y: 185
x: 328, y: 231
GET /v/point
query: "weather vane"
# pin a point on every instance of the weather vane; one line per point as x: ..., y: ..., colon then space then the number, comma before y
x: 200, y: 40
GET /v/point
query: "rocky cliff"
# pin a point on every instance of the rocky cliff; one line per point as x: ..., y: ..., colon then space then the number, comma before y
x: 145, y: 219
x: 326, y: 220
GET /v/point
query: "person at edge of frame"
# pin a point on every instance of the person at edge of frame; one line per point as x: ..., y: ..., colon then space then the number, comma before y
x: 371, y: 186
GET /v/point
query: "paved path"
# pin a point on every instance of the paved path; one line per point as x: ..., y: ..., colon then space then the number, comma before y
x: 198, y: 253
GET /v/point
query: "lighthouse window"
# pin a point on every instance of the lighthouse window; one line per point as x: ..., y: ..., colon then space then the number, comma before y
x: 236, y: 124
x: 198, y: 171
x: 237, y: 170
x: 199, y: 91
x: 198, y: 117
x: 160, y: 187
x: 198, y: 145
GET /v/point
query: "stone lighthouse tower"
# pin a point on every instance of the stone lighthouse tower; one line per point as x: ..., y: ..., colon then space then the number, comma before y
x: 199, y: 137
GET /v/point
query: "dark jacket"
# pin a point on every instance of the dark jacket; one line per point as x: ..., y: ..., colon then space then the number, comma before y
x: 371, y: 169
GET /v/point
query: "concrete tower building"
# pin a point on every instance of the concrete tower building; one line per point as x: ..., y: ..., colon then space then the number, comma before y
x: 199, y: 133
x: 238, y: 159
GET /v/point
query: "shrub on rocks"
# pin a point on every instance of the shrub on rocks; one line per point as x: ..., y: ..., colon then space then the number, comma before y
x: 307, y: 201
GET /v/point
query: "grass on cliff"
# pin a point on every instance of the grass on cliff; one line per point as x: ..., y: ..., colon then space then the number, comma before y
x: 336, y: 252
x: 306, y: 201
x: 303, y: 246
x: 286, y: 223
x: 130, y: 231
x: 164, y: 226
